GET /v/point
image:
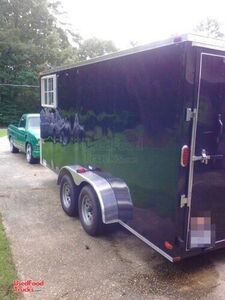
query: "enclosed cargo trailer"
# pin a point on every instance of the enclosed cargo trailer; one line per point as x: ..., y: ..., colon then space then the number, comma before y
x: 137, y: 138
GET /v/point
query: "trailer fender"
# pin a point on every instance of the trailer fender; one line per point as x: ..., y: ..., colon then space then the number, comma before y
x: 113, y: 193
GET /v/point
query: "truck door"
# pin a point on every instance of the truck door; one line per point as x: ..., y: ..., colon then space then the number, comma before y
x: 21, y: 133
x: 206, y: 221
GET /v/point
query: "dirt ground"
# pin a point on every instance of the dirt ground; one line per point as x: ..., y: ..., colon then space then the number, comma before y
x: 49, y: 246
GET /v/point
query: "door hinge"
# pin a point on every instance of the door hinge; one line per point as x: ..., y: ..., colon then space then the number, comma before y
x: 190, y: 113
x: 183, y: 201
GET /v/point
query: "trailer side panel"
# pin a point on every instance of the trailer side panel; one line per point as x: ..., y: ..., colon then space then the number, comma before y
x: 125, y: 115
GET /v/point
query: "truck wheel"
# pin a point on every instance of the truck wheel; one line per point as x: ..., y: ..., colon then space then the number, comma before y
x: 89, y: 211
x: 29, y: 156
x: 13, y: 149
x: 68, y: 196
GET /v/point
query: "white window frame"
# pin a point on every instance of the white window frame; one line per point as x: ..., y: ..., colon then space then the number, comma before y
x: 47, y: 92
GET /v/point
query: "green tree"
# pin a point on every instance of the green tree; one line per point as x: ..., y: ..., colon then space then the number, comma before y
x: 30, y: 41
x: 94, y: 47
x: 210, y: 27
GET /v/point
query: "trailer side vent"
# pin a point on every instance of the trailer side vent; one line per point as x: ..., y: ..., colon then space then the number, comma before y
x: 185, y: 154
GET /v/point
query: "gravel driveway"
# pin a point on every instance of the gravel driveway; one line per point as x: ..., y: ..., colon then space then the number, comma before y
x: 49, y: 246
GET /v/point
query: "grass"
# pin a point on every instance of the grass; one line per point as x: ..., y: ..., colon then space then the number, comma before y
x: 7, y: 267
x: 3, y: 132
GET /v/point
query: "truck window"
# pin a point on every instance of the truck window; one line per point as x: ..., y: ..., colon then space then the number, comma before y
x: 22, y: 122
x: 33, y: 122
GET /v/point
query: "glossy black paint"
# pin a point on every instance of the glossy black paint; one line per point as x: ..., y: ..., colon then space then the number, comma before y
x: 127, y: 117
x: 55, y: 126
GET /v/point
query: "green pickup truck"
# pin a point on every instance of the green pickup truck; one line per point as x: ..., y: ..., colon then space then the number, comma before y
x: 26, y: 137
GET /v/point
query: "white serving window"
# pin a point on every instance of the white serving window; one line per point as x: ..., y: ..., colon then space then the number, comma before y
x: 48, y: 91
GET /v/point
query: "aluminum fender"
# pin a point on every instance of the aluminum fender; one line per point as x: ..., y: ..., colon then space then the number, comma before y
x: 103, y: 189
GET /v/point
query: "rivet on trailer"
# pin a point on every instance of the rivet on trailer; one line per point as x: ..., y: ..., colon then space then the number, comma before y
x: 137, y: 137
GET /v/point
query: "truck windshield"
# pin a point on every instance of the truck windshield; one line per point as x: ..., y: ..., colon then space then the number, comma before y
x: 33, y: 122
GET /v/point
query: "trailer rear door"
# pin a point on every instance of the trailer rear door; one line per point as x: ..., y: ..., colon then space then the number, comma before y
x: 206, y: 222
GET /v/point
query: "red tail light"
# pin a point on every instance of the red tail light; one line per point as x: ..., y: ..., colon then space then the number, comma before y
x: 168, y: 245
x: 185, y: 156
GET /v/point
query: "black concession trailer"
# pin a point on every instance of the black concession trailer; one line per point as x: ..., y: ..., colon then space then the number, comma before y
x: 137, y: 137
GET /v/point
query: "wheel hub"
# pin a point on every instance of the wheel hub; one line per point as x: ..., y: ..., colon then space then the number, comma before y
x: 28, y: 152
x: 87, y: 210
x: 66, y: 195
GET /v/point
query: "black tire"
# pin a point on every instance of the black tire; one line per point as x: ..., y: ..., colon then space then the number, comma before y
x: 13, y: 149
x: 29, y: 156
x: 89, y: 211
x: 68, y: 196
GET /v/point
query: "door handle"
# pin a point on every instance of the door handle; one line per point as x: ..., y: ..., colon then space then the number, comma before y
x: 203, y: 158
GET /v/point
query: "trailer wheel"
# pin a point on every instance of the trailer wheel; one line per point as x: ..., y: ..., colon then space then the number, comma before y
x: 89, y: 211
x: 13, y: 149
x: 29, y: 156
x: 68, y: 196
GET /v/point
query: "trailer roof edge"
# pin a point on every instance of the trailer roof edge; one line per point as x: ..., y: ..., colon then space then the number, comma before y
x: 196, y: 40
